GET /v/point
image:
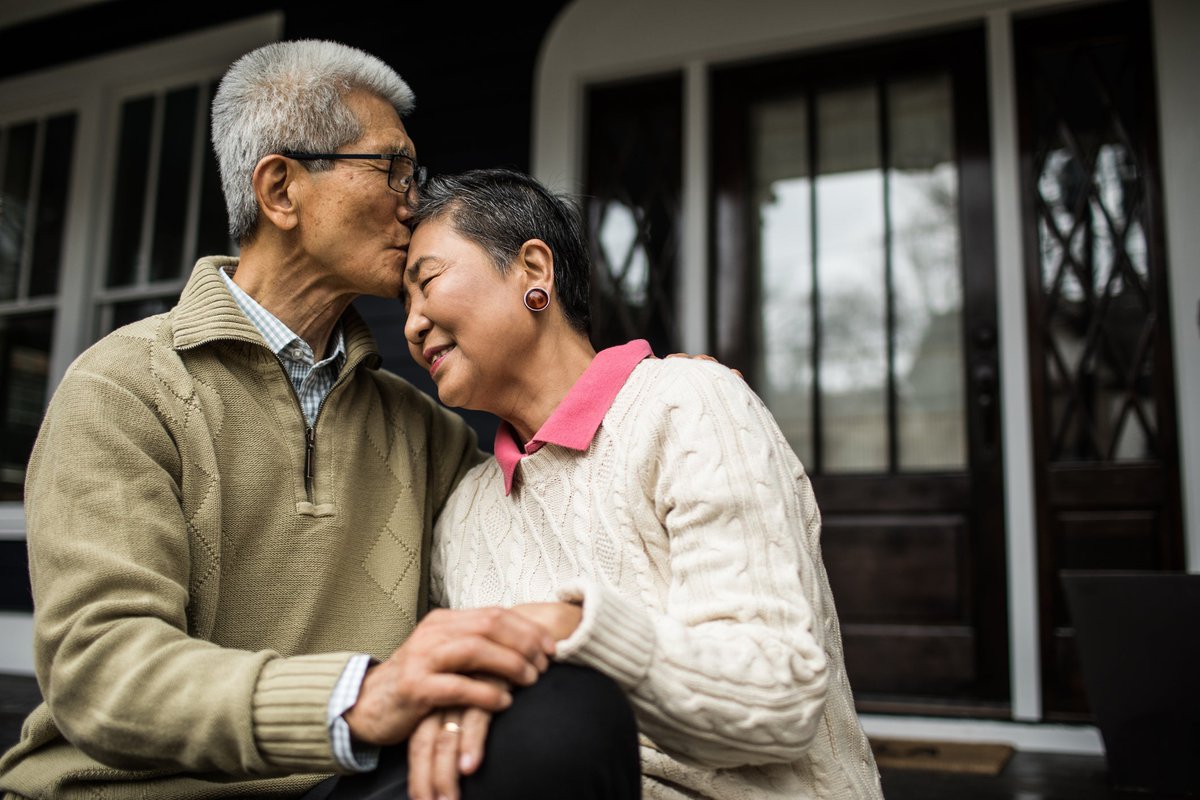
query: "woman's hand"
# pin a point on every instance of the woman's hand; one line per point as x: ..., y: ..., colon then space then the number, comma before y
x: 559, y: 619
x: 446, y: 744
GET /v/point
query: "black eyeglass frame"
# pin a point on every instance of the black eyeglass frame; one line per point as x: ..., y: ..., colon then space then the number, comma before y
x: 417, y: 178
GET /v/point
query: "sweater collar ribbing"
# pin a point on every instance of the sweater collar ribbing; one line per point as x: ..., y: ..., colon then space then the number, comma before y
x: 207, y: 312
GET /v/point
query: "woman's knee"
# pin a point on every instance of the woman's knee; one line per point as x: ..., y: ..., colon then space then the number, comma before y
x: 573, y: 729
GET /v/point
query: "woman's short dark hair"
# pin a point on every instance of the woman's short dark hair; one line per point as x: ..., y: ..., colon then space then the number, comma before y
x: 500, y: 210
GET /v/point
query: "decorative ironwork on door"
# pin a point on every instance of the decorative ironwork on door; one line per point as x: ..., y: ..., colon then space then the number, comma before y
x: 1099, y: 314
x: 633, y: 206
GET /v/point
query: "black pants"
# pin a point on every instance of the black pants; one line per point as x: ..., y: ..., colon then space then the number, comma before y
x: 570, y: 735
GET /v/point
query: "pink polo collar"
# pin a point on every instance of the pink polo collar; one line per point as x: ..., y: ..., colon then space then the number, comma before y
x: 575, y: 422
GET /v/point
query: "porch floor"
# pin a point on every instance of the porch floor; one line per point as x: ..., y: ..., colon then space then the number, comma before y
x: 1027, y: 776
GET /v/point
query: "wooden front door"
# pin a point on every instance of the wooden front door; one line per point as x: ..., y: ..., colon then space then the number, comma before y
x: 1106, y: 462
x: 854, y: 286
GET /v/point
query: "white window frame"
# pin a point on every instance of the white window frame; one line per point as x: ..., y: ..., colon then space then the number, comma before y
x: 94, y: 90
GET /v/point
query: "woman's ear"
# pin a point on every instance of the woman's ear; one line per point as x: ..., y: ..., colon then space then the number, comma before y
x: 536, y: 261
x: 274, y: 180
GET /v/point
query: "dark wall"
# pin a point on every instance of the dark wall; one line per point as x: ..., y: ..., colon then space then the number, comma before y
x: 472, y: 72
x: 67, y: 36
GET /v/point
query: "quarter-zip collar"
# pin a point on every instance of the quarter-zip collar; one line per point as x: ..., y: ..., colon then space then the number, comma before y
x: 207, y: 312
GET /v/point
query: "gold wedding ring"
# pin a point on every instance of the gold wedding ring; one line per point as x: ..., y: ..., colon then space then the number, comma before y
x: 453, y: 727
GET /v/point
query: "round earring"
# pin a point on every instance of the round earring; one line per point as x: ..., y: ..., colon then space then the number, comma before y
x: 537, y: 299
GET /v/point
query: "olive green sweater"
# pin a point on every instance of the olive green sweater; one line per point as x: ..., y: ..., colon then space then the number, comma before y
x: 197, y: 590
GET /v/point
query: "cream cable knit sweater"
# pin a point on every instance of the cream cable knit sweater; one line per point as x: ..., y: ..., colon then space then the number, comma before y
x: 691, y: 534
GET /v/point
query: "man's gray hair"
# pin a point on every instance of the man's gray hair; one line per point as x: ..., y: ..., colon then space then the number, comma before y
x: 289, y: 96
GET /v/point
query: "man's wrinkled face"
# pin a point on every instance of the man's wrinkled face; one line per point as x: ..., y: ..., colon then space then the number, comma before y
x: 353, y: 225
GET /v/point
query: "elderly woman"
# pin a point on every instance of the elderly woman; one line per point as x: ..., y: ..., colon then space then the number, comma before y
x: 648, y: 511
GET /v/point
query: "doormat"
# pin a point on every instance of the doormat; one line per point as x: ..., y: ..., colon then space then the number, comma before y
x: 962, y: 757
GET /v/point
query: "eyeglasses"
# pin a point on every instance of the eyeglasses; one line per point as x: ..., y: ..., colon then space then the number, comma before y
x: 403, y: 171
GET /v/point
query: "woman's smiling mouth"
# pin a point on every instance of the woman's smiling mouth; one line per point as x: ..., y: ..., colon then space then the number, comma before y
x: 436, y: 355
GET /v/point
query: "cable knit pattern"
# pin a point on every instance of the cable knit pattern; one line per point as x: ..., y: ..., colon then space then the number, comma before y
x: 196, y: 597
x: 690, y: 533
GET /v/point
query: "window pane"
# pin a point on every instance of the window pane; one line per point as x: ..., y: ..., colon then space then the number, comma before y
x: 212, y: 230
x: 14, y: 205
x: 783, y: 196
x: 850, y: 280
x: 133, y: 310
x: 24, y: 367
x: 52, y: 205
x: 174, y: 179
x: 926, y: 283
x: 129, y: 197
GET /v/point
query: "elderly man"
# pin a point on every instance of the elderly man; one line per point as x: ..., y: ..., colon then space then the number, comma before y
x: 228, y: 504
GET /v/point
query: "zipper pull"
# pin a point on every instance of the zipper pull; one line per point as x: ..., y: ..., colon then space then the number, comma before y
x: 310, y: 445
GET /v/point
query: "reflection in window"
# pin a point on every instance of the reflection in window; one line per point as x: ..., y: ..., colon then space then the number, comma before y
x: 926, y: 283
x: 18, y: 144
x: 623, y: 253
x: 850, y: 282
x: 784, y: 198
x: 861, y: 356
x: 24, y: 371
x: 35, y: 173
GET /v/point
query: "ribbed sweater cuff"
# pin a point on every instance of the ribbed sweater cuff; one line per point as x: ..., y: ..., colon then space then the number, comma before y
x: 291, y: 711
x: 615, y: 635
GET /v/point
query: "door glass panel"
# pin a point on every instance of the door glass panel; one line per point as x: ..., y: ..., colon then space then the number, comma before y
x: 926, y: 283
x: 633, y: 208
x: 634, y: 186
x: 622, y: 250
x: 783, y: 198
x: 24, y: 369
x: 1097, y: 347
x: 14, y: 204
x: 850, y: 282
x: 859, y: 345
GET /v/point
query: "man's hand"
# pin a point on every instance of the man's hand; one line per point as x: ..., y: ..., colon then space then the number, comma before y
x: 433, y: 669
